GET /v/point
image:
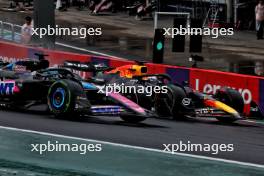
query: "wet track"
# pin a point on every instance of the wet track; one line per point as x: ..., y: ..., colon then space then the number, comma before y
x: 247, y: 137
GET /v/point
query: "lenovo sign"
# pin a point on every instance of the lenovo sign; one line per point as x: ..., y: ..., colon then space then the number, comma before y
x: 209, y: 81
x: 212, y: 89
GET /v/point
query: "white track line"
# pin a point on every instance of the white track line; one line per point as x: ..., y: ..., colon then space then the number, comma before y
x: 86, y: 50
x: 134, y: 147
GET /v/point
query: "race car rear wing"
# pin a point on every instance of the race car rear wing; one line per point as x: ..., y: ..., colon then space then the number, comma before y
x: 158, y: 76
x: 29, y: 65
x: 86, y: 66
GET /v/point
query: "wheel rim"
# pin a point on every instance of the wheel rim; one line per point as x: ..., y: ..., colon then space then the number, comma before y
x: 58, y: 97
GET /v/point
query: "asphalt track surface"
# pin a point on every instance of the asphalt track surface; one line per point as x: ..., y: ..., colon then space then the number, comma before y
x: 247, y: 137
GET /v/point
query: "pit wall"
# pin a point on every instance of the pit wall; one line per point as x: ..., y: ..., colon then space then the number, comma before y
x: 208, y: 81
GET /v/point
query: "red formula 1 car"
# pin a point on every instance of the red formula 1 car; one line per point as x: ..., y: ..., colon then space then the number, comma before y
x: 179, y: 101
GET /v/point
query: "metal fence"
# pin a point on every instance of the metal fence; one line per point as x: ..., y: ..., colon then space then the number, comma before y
x: 9, y: 31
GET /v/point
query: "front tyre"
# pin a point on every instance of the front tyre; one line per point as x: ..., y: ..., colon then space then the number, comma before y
x: 170, y: 103
x: 231, y: 98
x: 62, y: 98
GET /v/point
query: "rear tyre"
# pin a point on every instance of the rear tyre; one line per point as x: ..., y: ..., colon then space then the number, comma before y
x: 62, y: 97
x: 231, y: 98
x: 170, y: 103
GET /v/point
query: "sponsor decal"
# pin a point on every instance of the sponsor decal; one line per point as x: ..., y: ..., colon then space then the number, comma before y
x: 186, y: 101
x: 20, y: 68
x: 7, y: 87
x: 107, y: 109
x: 78, y: 65
x: 204, y: 111
x: 10, y: 59
x: 213, y: 88
x: 211, y: 81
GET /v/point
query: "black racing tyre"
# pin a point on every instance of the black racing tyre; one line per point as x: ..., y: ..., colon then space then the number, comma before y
x: 231, y: 98
x: 170, y: 103
x: 132, y: 118
x: 62, y: 97
x: 142, y: 99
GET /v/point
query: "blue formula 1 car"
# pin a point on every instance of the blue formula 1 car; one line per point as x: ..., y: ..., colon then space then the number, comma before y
x: 27, y: 83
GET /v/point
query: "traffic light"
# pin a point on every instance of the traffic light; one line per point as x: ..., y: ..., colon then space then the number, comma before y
x: 196, y: 39
x: 178, y: 42
x: 158, y: 46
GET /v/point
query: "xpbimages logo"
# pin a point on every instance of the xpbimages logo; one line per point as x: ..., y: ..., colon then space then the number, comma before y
x: 191, y: 147
x: 130, y: 89
x: 59, y: 31
x: 213, y: 32
x: 62, y: 147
